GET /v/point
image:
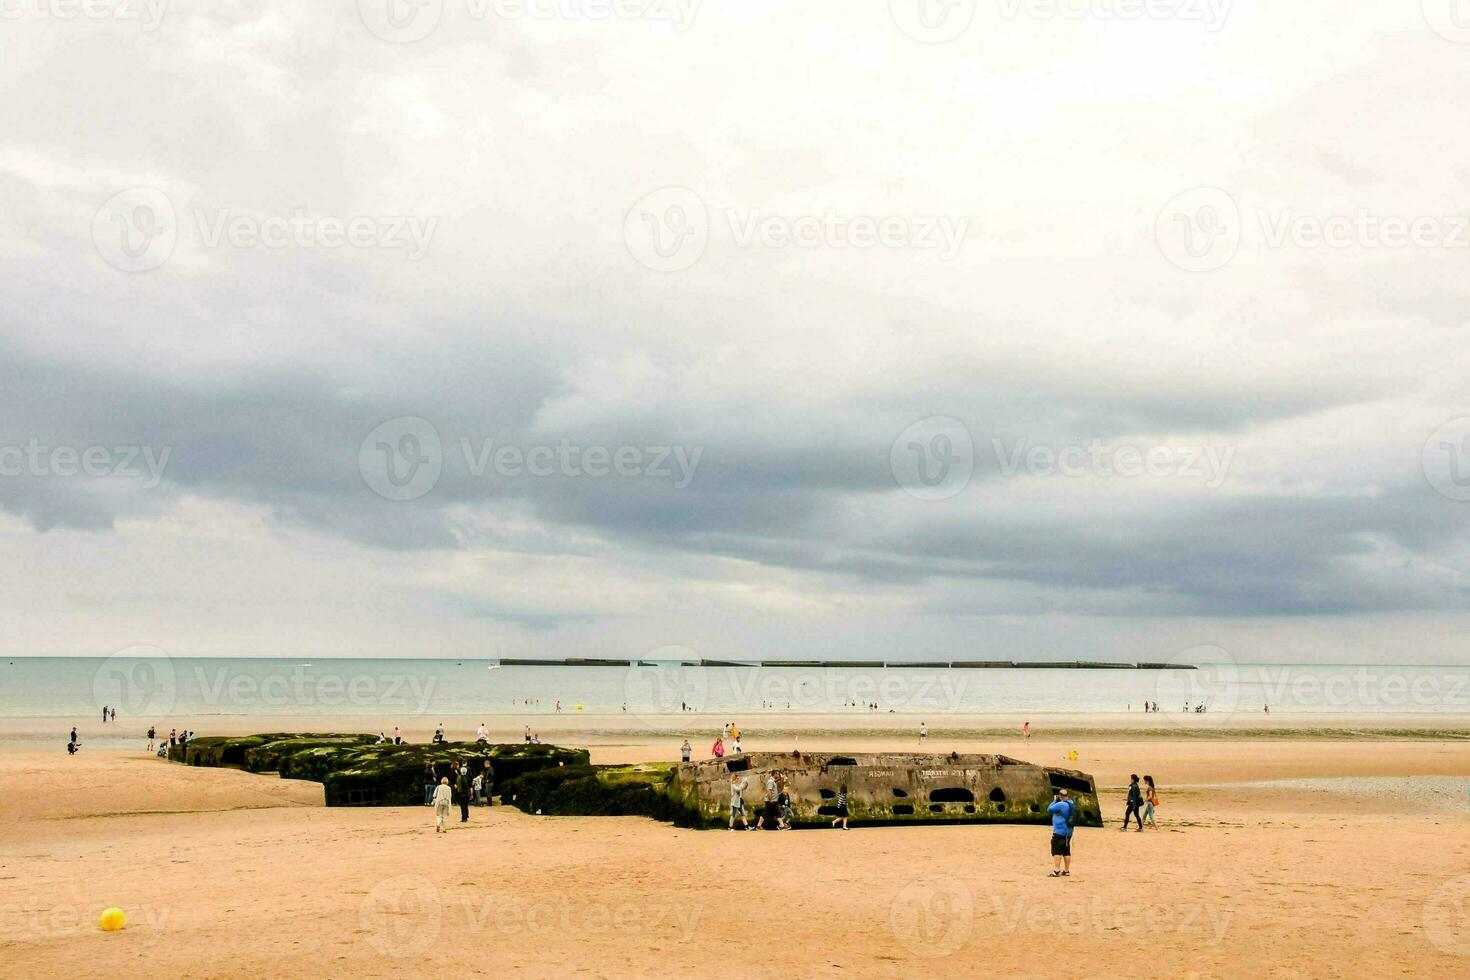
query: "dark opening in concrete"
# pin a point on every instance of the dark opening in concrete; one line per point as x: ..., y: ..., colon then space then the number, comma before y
x: 953, y: 794
x: 903, y: 809
x: 900, y: 793
x: 828, y: 794
x: 997, y: 795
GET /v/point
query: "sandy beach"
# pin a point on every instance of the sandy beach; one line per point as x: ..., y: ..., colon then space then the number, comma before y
x: 1299, y: 852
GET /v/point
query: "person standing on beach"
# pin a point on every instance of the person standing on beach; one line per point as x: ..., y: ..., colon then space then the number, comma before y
x: 718, y: 749
x: 737, y: 802
x: 1135, y: 803
x: 1063, y: 821
x: 441, y: 799
x: 431, y: 781
x: 1026, y: 731
x: 784, y: 801
x: 104, y: 714
x: 684, y: 751
x: 113, y: 711
x: 462, y: 790
x: 1150, y: 801
x: 152, y: 736
x: 923, y: 731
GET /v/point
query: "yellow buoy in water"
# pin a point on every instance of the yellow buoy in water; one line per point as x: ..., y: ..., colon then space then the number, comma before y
x: 111, y: 920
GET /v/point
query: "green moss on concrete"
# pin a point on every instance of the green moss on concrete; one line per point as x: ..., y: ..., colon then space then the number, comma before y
x: 358, y: 770
x: 598, y: 791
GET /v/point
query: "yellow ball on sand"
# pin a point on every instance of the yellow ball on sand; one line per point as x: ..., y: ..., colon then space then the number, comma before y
x: 111, y: 920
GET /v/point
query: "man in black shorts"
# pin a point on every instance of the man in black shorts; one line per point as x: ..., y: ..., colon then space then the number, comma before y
x: 1063, y: 818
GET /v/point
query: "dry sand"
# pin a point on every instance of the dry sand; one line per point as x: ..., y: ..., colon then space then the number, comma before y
x: 1280, y: 856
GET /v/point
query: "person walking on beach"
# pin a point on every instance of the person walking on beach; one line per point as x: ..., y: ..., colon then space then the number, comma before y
x: 1135, y: 803
x: 784, y: 801
x: 104, y: 714
x: 441, y: 798
x: 1026, y: 731
x: 718, y: 749
x: 152, y: 737
x: 770, y: 808
x: 1150, y: 802
x: 684, y: 751
x: 1063, y: 821
x: 841, y: 808
x: 737, y: 802
x: 113, y: 712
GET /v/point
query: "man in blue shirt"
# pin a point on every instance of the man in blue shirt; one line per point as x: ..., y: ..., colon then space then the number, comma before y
x: 1062, y: 818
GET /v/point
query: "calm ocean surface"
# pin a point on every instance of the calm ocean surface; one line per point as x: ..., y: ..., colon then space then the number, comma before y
x: 155, y: 687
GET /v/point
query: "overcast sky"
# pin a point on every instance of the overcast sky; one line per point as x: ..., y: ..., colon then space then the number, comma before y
x: 991, y: 329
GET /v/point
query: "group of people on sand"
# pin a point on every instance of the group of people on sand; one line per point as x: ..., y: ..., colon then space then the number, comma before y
x: 731, y: 731
x: 775, y: 804
x: 1143, y: 800
x: 463, y: 785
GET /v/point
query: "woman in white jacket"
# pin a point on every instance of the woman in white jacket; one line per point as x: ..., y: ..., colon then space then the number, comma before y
x: 442, y: 798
